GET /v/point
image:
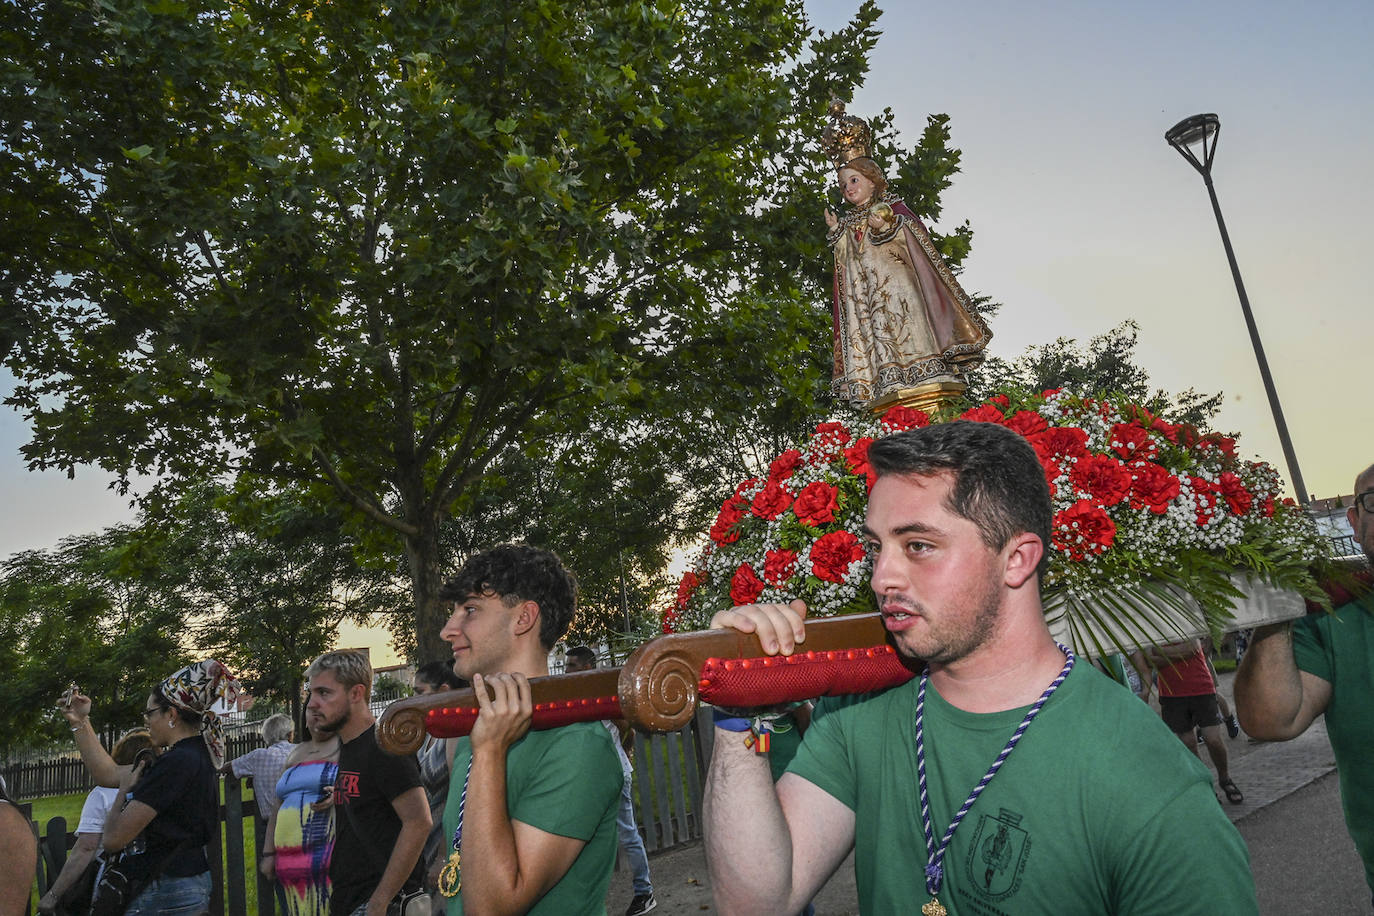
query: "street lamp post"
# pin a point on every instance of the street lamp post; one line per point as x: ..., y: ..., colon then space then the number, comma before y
x: 1203, y: 130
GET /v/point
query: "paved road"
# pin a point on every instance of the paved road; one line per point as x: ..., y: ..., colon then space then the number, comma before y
x: 1301, y: 855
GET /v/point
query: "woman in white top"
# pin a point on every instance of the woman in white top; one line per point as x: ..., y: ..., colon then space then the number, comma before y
x: 92, y: 823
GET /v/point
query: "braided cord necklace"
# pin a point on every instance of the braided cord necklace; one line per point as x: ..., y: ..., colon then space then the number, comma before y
x: 935, y: 874
x: 451, y: 875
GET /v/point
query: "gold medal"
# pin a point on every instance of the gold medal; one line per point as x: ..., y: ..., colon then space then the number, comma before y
x: 451, y: 876
x: 933, y: 908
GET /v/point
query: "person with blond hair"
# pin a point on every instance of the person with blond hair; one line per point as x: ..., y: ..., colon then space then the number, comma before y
x: 382, y: 818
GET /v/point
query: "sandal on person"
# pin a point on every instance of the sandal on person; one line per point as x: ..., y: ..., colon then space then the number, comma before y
x: 1233, y: 794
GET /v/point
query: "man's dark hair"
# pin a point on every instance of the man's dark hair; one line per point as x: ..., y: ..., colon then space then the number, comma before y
x: 440, y: 675
x: 584, y: 656
x: 515, y: 573
x: 999, y: 484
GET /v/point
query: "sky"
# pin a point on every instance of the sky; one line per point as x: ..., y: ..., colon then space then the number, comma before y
x: 1084, y: 217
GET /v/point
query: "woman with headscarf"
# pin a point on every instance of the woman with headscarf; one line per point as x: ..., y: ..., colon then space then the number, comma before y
x: 165, y: 813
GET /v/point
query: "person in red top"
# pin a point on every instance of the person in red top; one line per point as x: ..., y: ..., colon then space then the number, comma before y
x: 1188, y: 700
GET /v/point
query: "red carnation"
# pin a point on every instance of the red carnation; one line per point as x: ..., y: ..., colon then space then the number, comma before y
x: 778, y: 566
x: 816, y: 504
x: 1026, y: 422
x: 857, y: 456
x: 685, y: 588
x: 783, y: 465
x: 1050, y: 392
x: 987, y: 413
x: 1104, y: 477
x: 1267, y: 507
x: 772, y: 501
x: 1052, y: 472
x: 724, y: 531
x: 899, y: 418
x: 1132, y: 442
x: 1204, y: 499
x: 1000, y: 399
x: 1224, y: 444
x: 833, y: 554
x: 1083, y: 528
x: 1238, y: 499
x: 744, y: 485
x: 745, y: 585
x: 670, y: 621
x: 1065, y: 441
x: 1166, y: 429
x: 1153, y: 487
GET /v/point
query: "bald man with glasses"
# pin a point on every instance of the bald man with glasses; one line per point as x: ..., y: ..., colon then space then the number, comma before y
x: 1323, y: 664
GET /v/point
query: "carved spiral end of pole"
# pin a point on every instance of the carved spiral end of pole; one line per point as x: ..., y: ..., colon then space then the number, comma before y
x: 401, y: 729
x: 659, y: 688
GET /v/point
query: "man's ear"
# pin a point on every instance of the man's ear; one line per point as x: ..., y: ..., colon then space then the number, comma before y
x: 1353, y: 517
x: 1024, y: 551
x: 526, y: 617
x: 357, y: 693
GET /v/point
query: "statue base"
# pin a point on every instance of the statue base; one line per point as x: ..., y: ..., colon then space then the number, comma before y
x: 925, y: 397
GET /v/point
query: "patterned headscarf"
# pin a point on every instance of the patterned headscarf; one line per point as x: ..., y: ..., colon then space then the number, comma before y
x: 196, y: 688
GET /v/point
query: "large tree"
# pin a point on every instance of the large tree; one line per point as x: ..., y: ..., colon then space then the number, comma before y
x: 1106, y: 365
x: 394, y: 248
x: 99, y: 611
x: 273, y: 576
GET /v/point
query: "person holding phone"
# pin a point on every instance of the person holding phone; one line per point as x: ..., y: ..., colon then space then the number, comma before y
x: 164, y: 814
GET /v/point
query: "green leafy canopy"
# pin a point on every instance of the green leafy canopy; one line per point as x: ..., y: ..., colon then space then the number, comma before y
x: 393, y: 251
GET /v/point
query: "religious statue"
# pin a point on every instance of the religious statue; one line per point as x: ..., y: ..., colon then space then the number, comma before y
x: 904, y: 329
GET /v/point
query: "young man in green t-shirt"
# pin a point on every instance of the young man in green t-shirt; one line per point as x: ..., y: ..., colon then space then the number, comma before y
x: 530, y: 819
x: 1323, y: 665
x: 1092, y: 808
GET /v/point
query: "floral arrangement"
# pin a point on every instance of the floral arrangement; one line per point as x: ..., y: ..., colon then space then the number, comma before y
x: 1142, y: 507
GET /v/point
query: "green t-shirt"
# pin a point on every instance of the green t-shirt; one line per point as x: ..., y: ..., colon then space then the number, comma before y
x: 565, y: 781
x: 1098, y: 809
x: 1339, y: 649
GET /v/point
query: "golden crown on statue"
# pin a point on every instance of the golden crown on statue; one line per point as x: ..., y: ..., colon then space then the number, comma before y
x: 847, y: 137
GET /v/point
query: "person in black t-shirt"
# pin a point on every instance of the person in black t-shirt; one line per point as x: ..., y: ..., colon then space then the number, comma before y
x: 165, y: 812
x: 382, y: 815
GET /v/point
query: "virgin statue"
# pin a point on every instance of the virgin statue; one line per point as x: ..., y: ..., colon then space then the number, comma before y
x: 902, y: 323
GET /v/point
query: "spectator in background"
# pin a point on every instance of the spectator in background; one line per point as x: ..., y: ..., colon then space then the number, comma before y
x: 582, y: 658
x: 265, y: 764
x: 1188, y: 701
x: 435, y: 677
x: 382, y: 817
x: 165, y: 814
x: 92, y: 824
x: 298, y: 844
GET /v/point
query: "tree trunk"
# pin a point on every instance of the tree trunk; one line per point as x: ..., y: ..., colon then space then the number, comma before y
x: 422, y: 552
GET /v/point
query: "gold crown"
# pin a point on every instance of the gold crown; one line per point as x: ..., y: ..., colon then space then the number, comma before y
x: 847, y: 137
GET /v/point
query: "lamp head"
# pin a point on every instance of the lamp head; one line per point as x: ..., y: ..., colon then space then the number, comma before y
x: 1196, y: 134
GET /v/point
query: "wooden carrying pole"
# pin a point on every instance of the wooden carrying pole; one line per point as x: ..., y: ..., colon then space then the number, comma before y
x: 661, y: 683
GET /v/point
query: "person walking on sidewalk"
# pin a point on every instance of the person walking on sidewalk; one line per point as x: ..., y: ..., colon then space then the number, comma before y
x: 1323, y: 664
x: 1188, y: 701
x: 582, y: 658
